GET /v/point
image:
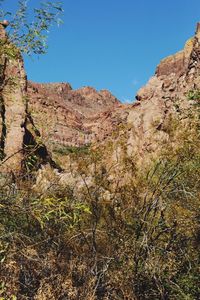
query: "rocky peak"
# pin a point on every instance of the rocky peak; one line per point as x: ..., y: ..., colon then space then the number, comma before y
x: 74, y: 114
x: 197, y: 33
x: 101, y: 100
x: 163, y: 95
x: 55, y: 88
x: 86, y: 115
x: 174, y: 72
x: 177, y: 63
x: 70, y: 117
x: 87, y: 91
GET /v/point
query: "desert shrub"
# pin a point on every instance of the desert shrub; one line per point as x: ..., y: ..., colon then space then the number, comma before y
x: 194, y: 95
x: 138, y: 239
x: 65, y: 150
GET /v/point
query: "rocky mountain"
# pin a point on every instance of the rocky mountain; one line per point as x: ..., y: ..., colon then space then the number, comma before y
x: 76, y: 117
x: 55, y: 114
x: 85, y: 116
x: 98, y: 199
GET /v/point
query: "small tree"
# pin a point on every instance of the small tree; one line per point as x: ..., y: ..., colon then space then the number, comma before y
x: 30, y: 35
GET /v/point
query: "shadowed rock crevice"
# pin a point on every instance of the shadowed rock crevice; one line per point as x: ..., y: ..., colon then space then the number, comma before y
x: 3, y: 129
x: 13, y: 89
x: 19, y: 138
x: 35, y: 148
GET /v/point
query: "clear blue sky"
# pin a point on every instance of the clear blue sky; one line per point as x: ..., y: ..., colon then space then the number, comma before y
x: 114, y: 44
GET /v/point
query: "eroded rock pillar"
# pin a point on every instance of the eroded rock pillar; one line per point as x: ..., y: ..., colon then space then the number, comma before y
x: 13, y: 105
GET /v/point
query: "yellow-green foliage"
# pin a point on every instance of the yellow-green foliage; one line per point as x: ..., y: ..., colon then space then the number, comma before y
x: 9, y: 50
x: 134, y: 236
x: 194, y: 95
x: 65, y: 150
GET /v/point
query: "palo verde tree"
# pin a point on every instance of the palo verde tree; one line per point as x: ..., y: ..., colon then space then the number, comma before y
x: 28, y: 29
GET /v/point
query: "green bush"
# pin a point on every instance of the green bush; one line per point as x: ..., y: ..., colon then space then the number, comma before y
x: 141, y: 242
x: 194, y: 95
x: 65, y: 150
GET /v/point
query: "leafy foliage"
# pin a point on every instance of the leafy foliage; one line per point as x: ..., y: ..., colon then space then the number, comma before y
x: 30, y: 36
x: 107, y: 240
x: 65, y: 150
x: 194, y: 95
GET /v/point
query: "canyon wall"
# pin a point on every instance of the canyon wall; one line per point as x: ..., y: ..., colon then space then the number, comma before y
x: 56, y: 114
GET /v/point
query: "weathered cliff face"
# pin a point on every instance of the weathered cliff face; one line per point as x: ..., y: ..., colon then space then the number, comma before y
x: 99, y: 227
x: 12, y: 104
x: 80, y: 117
x: 87, y: 116
x: 32, y: 115
x: 19, y: 138
x: 164, y: 95
x: 74, y: 117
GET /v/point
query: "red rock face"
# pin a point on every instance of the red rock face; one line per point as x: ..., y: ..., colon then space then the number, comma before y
x: 12, y: 106
x: 83, y: 116
x: 76, y: 117
x: 164, y: 94
x: 80, y: 117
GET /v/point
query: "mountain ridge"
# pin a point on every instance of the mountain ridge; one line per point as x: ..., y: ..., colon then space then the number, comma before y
x: 61, y: 115
x: 99, y: 199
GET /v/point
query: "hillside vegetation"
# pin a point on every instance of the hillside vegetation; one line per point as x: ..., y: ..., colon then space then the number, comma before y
x: 108, y: 205
x: 108, y: 241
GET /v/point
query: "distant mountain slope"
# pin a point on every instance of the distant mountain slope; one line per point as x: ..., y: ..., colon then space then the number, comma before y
x: 84, y: 116
x: 74, y: 117
x: 59, y: 115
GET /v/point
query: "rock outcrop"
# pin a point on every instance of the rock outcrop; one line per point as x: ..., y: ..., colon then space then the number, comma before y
x: 164, y: 94
x: 86, y: 116
x: 74, y: 117
x: 57, y: 114
x: 18, y: 134
x: 12, y: 104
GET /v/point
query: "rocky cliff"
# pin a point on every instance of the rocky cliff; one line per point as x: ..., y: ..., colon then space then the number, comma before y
x: 55, y: 114
x: 166, y: 93
x: 120, y: 220
x: 74, y: 117
x: 19, y: 138
x: 86, y: 116
x: 12, y: 103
